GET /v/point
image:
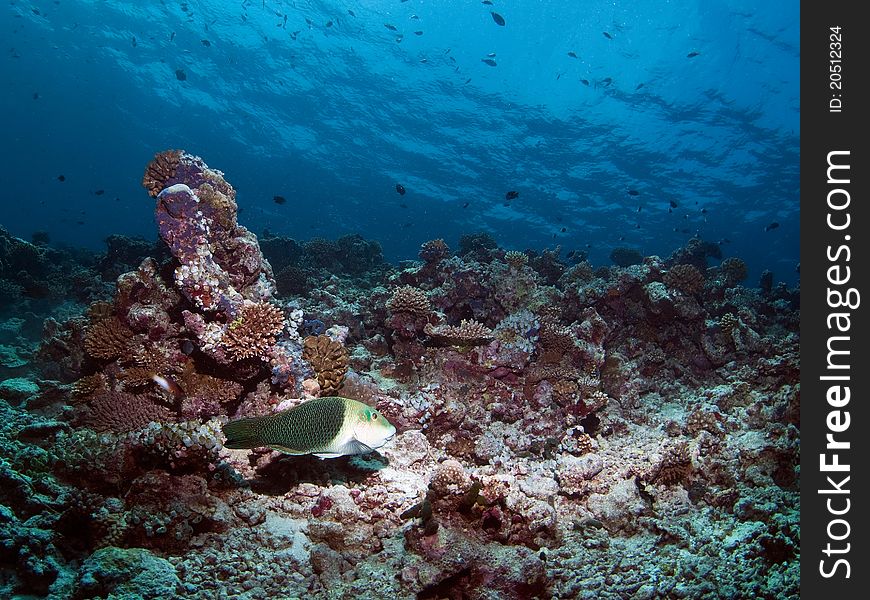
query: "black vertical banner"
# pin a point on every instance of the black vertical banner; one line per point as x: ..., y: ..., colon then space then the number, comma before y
x: 835, y: 342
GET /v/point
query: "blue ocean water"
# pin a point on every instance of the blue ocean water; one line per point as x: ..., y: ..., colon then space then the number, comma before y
x: 331, y: 104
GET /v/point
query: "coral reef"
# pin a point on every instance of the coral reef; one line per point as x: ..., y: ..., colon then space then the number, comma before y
x: 563, y: 431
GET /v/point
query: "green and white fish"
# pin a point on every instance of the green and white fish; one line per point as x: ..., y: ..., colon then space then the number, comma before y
x: 325, y: 427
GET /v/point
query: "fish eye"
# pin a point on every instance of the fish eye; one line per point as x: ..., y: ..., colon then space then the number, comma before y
x: 374, y: 415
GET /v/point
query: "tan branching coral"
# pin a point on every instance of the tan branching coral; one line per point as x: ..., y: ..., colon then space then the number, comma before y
x: 408, y: 299
x: 89, y: 384
x: 728, y: 322
x: 99, y: 310
x: 120, y: 412
x: 254, y: 331
x: 733, y: 271
x: 556, y: 342
x: 675, y: 465
x: 703, y: 420
x: 516, y: 260
x: 108, y: 339
x: 434, y: 251
x: 685, y: 278
x: 160, y: 170
x: 328, y: 358
x: 467, y: 333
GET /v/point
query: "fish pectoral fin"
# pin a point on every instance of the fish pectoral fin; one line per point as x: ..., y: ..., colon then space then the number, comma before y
x: 354, y: 446
x: 285, y: 450
x: 328, y: 455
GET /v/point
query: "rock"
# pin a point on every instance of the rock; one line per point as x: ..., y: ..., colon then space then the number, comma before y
x: 127, y: 573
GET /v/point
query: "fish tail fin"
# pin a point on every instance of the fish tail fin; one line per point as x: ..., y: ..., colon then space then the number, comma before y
x: 244, y: 433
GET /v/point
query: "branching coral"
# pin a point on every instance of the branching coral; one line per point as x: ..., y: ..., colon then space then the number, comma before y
x: 467, y: 333
x: 434, y: 251
x: 516, y: 260
x: 684, y: 277
x: 675, y: 465
x: 328, y: 358
x: 733, y: 270
x: 160, y: 170
x: 408, y: 299
x: 108, y: 339
x: 254, y: 331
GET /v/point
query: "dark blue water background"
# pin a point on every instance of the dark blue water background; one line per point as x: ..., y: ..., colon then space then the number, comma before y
x: 334, y: 118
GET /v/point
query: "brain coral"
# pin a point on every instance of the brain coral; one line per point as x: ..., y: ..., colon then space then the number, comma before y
x: 328, y: 358
x: 254, y: 331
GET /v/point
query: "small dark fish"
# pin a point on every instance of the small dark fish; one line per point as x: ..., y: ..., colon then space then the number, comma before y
x: 638, y: 208
x: 205, y: 43
x: 61, y: 178
x: 329, y: 23
x: 570, y: 254
x: 572, y: 55
x: 187, y: 347
x: 399, y: 38
x: 35, y: 11
x: 172, y: 36
x: 418, y: 33
x: 489, y: 61
x: 279, y: 199
x: 564, y: 229
x: 692, y: 54
x: 406, y: 225
x: 99, y: 192
x: 36, y: 95
x: 633, y: 193
x: 670, y: 210
x: 622, y: 237
x: 465, y: 205
x: 637, y: 226
x: 505, y: 203
x: 499, y: 20
x: 607, y: 35
x: 467, y: 81
x: 673, y: 204
x: 559, y: 76
x: 180, y: 75
x: 400, y: 188
x: 133, y: 42
x: 390, y: 27
x: 415, y: 17
x: 639, y: 85
x: 80, y: 222
x: 584, y: 82
x: 772, y: 226
x: 607, y: 81
x: 403, y: 205
x: 487, y: 2
x: 703, y: 211
x: 351, y: 13
x: 511, y: 195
